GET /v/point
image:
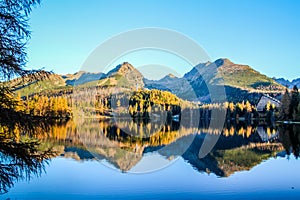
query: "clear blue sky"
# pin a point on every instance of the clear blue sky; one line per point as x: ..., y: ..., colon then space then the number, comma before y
x: 262, y: 34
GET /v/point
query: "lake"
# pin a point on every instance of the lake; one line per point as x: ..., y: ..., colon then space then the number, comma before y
x: 136, y: 159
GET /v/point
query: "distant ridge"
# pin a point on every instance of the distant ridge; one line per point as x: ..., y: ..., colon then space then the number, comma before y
x: 240, y: 81
x: 171, y: 76
x: 82, y: 77
x: 289, y: 84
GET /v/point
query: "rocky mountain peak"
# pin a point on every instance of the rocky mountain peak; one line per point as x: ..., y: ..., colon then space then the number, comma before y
x: 223, y: 62
x: 126, y: 73
x: 122, y: 69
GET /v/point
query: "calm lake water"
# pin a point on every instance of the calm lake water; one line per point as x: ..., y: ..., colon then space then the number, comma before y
x: 110, y: 159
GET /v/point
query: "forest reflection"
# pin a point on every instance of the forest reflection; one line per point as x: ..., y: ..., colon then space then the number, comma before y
x: 21, y: 157
x: 123, y: 143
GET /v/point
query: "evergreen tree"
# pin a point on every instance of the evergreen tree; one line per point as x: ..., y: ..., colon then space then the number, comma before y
x: 296, y: 115
x: 293, y: 108
x: 285, y: 105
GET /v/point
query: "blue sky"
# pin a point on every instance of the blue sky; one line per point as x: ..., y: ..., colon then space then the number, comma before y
x: 262, y: 34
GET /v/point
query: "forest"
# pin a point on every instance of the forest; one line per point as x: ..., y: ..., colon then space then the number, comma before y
x: 141, y: 103
x: 290, y: 106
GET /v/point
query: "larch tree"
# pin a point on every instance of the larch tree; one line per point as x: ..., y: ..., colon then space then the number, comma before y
x: 14, y: 35
x: 20, y: 159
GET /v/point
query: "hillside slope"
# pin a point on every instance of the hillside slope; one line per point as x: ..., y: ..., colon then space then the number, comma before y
x: 52, y: 82
x: 243, y: 76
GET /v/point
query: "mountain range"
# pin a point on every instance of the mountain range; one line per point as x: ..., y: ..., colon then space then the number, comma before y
x: 239, y: 81
x: 287, y: 83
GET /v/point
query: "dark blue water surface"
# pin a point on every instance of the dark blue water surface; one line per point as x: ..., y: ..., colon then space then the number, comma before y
x: 69, y: 179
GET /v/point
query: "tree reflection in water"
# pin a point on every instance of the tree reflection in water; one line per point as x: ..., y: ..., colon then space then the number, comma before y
x: 290, y: 138
x: 240, y: 146
x: 20, y: 159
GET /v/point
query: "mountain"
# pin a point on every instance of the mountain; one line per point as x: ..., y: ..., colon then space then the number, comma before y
x: 171, y: 83
x: 243, y: 76
x: 28, y: 85
x: 296, y: 82
x: 51, y: 82
x: 124, y: 75
x: 238, y: 80
x: 82, y: 77
x: 289, y: 84
x: 169, y: 77
x: 234, y: 75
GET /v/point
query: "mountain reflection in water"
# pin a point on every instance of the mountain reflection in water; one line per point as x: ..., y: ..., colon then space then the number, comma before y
x: 123, y: 143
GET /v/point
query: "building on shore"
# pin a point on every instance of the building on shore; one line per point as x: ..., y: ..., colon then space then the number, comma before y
x: 263, y: 101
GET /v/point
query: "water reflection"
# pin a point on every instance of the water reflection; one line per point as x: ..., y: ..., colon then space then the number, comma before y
x: 21, y: 157
x: 240, y: 146
x: 290, y: 138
